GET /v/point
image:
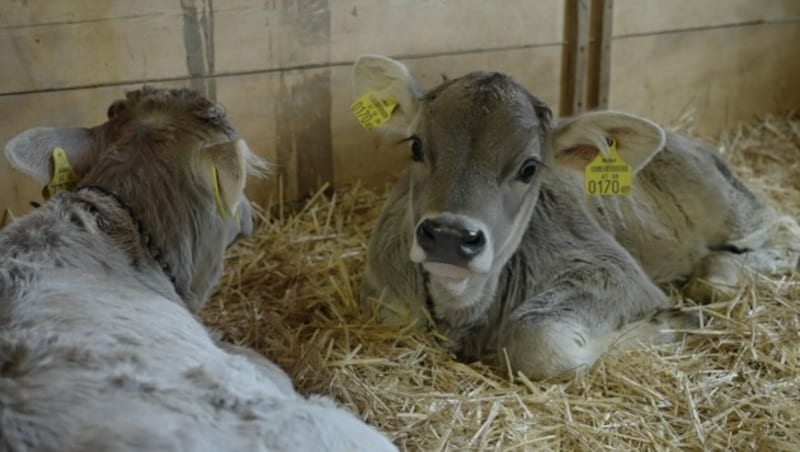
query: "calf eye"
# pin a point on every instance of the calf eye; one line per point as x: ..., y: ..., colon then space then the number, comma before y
x: 416, y: 148
x: 528, y: 170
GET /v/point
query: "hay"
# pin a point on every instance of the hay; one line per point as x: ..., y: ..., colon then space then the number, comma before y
x: 291, y: 290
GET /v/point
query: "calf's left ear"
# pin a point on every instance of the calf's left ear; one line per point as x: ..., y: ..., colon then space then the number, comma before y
x: 32, y: 150
x: 224, y: 166
x: 577, y: 141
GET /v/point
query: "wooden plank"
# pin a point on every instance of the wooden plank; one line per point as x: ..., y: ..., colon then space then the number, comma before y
x: 61, y: 44
x: 406, y: 28
x: 360, y: 155
x: 573, y: 74
x: 304, y: 33
x: 599, y: 62
x: 304, y: 131
x: 724, y: 75
x: 635, y: 17
x: 91, y: 53
x: 37, y: 13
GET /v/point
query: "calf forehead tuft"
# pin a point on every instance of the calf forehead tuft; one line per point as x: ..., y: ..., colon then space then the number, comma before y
x: 479, y: 96
x: 476, y: 87
x: 181, y: 102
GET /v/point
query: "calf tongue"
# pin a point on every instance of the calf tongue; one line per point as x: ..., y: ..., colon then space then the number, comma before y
x: 446, y: 271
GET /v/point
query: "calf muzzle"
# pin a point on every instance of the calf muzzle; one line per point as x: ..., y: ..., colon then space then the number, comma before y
x: 449, y: 243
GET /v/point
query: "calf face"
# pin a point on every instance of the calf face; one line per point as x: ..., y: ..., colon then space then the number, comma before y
x: 174, y: 159
x: 481, y: 146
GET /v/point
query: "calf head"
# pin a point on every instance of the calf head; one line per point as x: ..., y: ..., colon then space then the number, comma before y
x: 480, y: 147
x: 173, y: 157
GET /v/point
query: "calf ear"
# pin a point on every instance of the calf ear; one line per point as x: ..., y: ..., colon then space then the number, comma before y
x: 577, y: 141
x: 389, y: 79
x: 31, y: 151
x: 225, y: 169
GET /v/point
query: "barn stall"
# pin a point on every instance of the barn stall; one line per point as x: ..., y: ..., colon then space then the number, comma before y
x: 726, y: 71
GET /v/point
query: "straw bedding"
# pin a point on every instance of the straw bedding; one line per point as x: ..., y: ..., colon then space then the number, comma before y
x: 290, y: 292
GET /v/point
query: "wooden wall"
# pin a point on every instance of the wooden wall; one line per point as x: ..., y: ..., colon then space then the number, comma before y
x: 725, y: 61
x: 282, y: 67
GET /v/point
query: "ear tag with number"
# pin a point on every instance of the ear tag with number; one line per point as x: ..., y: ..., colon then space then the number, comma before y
x: 217, y: 196
x: 373, y: 109
x: 608, y: 175
x: 64, y: 177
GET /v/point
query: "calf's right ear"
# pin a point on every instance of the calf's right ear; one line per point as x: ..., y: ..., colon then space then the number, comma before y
x: 32, y: 151
x: 388, y: 79
x: 225, y: 168
x: 579, y: 140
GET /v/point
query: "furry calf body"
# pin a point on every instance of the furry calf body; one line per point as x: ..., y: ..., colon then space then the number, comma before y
x: 490, y: 235
x: 100, y: 347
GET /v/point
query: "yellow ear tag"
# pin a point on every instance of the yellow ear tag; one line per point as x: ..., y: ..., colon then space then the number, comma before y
x: 64, y: 178
x: 372, y: 109
x: 608, y: 176
x: 217, y: 197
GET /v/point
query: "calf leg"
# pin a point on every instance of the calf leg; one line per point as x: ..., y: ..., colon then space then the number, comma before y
x: 547, y: 345
x: 771, y: 249
x: 717, y: 275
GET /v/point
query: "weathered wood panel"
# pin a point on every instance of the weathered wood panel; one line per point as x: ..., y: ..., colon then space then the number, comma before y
x: 91, y: 45
x: 635, y: 17
x: 575, y: 57
x: 724, y: 75
x: 62, y: 44
x: 599, y: 63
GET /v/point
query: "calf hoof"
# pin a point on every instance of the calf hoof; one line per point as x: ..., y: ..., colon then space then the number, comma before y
x: 717, y: 277
x: 549, y: 350
x: 678, y: 319
x: 708, y: 291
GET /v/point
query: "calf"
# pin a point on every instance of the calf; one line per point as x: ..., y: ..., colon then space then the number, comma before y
x: 490, y: 233
x: 100, y: 348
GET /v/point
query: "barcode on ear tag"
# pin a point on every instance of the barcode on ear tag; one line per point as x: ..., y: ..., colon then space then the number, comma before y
x: 372, y: 110
x: 609, y: 176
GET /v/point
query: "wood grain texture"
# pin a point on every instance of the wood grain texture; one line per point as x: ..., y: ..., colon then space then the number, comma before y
x: 62, y: 44
x: 635, y: 17
x: 599, y: 61
x: 575, y: 57
x: 723, y: 75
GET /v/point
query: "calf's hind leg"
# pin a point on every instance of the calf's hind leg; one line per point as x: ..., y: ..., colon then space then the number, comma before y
x: 544, y: 345
x: 771, y: 249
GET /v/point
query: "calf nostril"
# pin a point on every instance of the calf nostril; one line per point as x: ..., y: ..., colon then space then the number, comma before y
x: 426, y: 234
x: 472, y: 242
x: 427, y: 229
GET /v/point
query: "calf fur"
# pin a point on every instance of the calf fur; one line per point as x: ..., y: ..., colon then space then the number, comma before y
x: 100, y: 348
x: 490, y: 234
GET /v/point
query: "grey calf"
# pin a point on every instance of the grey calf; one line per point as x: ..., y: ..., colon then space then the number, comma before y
x: 100, y: 348
x: 489, y: 230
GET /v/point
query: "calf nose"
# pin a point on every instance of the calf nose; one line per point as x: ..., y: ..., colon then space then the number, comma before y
x: 449, y: 243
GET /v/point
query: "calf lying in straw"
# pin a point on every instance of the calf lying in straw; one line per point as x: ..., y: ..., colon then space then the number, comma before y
x: 490, y: 230
x: 99, y: 345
